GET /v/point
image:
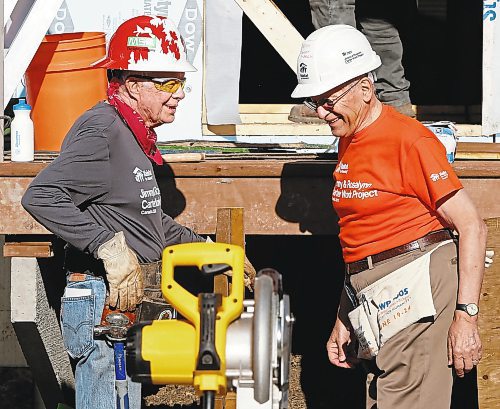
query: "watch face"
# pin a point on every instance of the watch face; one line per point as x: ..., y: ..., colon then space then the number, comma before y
x: 472, y: 309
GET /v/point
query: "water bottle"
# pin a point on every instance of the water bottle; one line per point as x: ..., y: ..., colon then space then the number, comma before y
x: 445, y: 132
x: 21, y: 133
x: 450, y: 143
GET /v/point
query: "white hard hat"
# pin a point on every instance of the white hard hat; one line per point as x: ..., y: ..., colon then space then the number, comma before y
x: 331, y: 56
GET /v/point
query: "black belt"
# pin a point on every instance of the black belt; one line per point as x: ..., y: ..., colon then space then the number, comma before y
x: 430, y: 238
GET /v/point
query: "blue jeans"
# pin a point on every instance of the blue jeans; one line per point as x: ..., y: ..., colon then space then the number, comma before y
x: 94, y: 373
x: 376, y: 19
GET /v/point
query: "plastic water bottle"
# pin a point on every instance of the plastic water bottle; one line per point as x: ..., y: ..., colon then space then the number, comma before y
x: 445, y: 132
x: 450, y: 143
x: 22, y: 135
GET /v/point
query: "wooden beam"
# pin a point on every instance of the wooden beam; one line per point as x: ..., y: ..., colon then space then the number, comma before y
x: 488, y: 370
x: 274, y: 25
x: 15, y: 177
x: 259, y: 126
x: 26, y: 43
x: 230, y: 229
x: 42, y: 249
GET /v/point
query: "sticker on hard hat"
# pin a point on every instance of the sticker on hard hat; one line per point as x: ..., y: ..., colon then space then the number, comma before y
x: 303, y: 71
x: 142, y: 42
x: 349, y: 57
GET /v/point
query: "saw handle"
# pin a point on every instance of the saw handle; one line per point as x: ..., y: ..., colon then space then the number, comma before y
x: 215, y: 269
x: 212, y: 258
x: 200, y: 255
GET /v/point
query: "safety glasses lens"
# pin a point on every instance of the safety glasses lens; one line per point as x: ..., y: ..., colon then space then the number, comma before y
x: 171, y: 86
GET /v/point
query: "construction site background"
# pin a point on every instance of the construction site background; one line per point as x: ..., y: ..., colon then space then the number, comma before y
x: 443, y: 52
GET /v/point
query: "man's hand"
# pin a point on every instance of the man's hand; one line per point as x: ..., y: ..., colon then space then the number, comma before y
x: 126, y: 286
x: 464, y: 344
x: 340, y: 346
x: 249, y: 274
x: 248, y: 271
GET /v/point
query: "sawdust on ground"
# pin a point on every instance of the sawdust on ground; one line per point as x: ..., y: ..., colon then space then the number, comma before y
x: 185, y: 395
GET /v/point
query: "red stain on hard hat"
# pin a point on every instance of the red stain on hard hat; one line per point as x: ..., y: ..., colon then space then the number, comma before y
x: 167, y: 46
x: 139, y: 53
x: 173, y: 47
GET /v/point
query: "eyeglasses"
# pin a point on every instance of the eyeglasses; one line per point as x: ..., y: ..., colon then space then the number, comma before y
x: 327, y: 103
x: 170, y: 85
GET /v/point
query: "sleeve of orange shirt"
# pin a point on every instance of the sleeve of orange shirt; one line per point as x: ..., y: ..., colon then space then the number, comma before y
x: 427, y: 172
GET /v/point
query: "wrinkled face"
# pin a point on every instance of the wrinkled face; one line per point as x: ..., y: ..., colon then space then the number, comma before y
x: 155, y: 103
x: 341, y: 108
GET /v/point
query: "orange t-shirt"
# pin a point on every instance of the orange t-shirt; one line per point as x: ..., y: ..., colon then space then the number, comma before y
x: 386, y: 185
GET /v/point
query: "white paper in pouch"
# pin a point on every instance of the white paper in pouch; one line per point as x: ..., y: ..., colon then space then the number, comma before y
x: 77, y: 292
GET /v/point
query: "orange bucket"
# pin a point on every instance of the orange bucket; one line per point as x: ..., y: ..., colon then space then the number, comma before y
x: 61, y: 85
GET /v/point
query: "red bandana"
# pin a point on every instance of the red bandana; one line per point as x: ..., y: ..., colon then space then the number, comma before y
x: 146, y: 137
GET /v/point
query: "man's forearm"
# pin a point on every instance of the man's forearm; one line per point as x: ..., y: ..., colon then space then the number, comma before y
x: 472, y: 247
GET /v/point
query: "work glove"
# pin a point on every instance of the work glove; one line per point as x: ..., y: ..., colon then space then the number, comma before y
x: 248, y: 271
x: 124, y: 274
x: 488, y: 259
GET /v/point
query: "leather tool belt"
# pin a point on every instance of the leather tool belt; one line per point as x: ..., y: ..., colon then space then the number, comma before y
x: 368, y: 262
x: 153, y: 306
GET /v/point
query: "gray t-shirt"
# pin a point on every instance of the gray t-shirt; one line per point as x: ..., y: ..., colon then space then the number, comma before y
x: 102, y: 183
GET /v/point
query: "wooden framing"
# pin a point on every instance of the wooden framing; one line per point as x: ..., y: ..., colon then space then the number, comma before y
x: 28, y: 249
x: 488, y: 370
x: 284, y: 197
x: 280, y: 196
x: 272, y: 119
x: 230, y: 229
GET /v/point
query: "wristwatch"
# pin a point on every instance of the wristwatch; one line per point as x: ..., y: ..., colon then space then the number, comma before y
x: 471, y: 308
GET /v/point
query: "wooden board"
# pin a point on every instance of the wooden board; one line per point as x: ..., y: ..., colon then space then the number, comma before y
x: 272, y: 119
x: 263, y: 124
x: 279, y: 197
x: 28, y: 249
x: 275, y: 27
x: 488, y: 371
x: 230, y: 229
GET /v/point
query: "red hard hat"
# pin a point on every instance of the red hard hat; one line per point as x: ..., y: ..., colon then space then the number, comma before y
x: 146, y: 43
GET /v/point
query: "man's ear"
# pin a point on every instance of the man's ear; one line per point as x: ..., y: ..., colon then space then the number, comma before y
x: 132, y: 87
x: 368, y: 88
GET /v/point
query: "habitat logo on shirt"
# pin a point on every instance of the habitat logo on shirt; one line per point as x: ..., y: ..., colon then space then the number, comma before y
x: 142, y: 175
x: 342, y: 168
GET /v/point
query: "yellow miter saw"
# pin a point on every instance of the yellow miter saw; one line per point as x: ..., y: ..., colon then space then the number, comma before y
x: 223, y: 343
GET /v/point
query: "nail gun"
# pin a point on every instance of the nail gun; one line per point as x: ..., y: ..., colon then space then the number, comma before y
x: 223, y: 342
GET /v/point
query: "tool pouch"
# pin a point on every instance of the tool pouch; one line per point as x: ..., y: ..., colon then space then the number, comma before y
x: 392, y: 304
x: 153, y: 306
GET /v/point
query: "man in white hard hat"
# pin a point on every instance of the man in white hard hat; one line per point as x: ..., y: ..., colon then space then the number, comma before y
x: 100, y: 195
x: 381, y: 21
x: 408, y: 304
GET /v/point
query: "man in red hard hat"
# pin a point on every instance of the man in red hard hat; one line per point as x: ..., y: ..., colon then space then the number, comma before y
x: 101, y: 196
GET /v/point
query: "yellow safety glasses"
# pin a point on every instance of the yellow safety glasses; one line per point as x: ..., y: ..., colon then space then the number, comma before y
x: 170, y: 85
